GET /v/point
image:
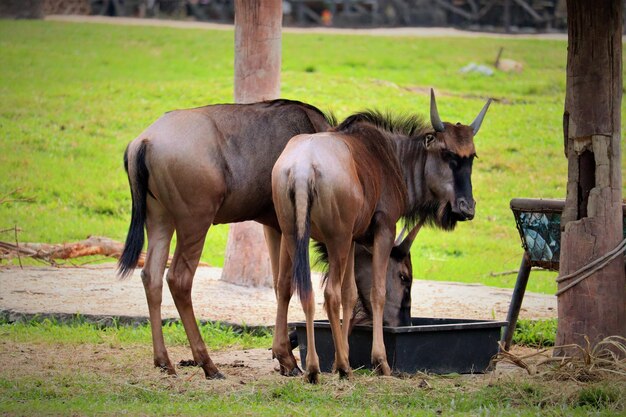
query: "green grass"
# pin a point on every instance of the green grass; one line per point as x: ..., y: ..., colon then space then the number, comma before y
x: 73, y: 95
x: 88, y: 395
x: 535, y: 333
x: 81, y: 368
x: 78, y: 330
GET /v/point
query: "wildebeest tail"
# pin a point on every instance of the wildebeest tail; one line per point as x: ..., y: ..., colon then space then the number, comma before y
x: 137, y: 172
x: 302, y: 198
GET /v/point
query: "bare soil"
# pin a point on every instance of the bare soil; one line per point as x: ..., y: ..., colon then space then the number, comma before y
x: 129, y: 364
x: 97, y: 291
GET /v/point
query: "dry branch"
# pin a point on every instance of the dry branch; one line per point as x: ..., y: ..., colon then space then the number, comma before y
x: 592, y: 363
x: 93, y: 245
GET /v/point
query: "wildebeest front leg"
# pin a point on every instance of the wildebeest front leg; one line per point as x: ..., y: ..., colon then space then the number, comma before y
x: 272, y: 240
x: 180, y: 278
x: 383, y: 243
x: 281, y: 346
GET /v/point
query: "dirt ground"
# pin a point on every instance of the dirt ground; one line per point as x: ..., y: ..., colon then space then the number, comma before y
x: 130, y: 365
x: 96, y: 290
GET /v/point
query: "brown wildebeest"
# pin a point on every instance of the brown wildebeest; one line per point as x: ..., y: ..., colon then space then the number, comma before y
x: 194, y: 168
x: 197, y: 167
x: 353, y: 184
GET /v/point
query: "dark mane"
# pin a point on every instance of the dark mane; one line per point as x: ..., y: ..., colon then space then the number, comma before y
x: 329, y: 117
x: 410, y: 125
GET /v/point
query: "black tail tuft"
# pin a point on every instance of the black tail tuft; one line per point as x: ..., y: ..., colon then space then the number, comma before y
x: 301, y: 264
x: 139, y: 190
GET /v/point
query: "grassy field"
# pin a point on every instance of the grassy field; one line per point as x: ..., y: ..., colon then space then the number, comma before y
x: 85, y: 369
x: 73, y: 95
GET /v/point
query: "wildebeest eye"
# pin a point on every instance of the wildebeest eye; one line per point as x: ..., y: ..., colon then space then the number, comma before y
x: 450, y: 157
x: 404, y: 277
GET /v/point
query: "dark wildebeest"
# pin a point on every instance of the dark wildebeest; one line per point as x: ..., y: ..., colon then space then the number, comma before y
x: 397, y: 311
x: 398, y: 282
x: 197, y: 167
x: 353, y: 184
x: 398, y: 287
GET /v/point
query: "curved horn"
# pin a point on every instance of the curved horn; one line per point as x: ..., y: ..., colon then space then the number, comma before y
x: 434, y: 114
x: 405, y: 246
x: 479, y: 119
x: 400, y: 236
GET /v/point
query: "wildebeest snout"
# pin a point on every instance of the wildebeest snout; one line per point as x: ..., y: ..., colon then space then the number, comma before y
x: 465, y: 208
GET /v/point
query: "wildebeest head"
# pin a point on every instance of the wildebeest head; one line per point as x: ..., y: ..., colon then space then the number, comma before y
x: 448, y: 169
x: 398, y: 287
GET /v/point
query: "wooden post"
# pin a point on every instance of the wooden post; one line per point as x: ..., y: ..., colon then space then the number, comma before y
x: 592, y: 217
x: 257, y: 78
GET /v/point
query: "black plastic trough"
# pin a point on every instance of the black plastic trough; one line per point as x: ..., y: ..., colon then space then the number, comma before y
x: 434, y: 345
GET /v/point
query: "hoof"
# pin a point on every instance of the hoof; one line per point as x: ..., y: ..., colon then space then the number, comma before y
x: 312, y: 377
x: 166, y: 368
x: 217, y: 375
x: 345, y: 374
x: 295, y: 371
x: 187, y: 363
x: 383, y: 369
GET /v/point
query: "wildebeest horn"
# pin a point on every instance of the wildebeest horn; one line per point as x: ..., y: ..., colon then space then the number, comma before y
x: 405, y: 246
x: 400, y: 236
x: 434, y: 114
x: 479, y: 119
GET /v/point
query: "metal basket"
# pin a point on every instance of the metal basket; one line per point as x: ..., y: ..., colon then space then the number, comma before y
x: 539, y: 224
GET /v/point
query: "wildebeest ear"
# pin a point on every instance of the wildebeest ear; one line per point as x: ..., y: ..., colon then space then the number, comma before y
x: 431, y: 142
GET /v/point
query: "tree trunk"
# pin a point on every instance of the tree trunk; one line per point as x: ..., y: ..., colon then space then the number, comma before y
x: 257, y: 78
x: 592, y: 218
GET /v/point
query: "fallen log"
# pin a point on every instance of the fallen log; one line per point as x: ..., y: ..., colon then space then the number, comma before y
x: 49, y: 252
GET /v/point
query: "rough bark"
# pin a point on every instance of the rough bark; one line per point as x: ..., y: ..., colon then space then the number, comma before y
x: 257, y: 77
x: 592, y: 218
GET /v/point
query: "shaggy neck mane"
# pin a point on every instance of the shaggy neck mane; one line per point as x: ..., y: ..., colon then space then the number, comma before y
x: 373, y: 141
x: 404, y: 134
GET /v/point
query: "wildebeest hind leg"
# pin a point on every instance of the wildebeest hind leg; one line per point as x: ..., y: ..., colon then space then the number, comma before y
x: 190, y: 240
x: 281, y: 346
x: 338, y: 254
x: 349, y: 296
x: 159, y: 230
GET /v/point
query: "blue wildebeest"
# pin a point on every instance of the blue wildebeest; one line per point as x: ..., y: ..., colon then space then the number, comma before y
x: 398, y: 287
x: 398, y: 282
x: 194, y: 168
x: 352, y: 184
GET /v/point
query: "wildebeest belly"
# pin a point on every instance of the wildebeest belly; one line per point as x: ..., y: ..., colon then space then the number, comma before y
x: 238, y: 208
